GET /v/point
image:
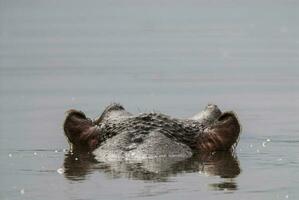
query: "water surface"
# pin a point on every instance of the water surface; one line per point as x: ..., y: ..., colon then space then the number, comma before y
x: 169, y: 56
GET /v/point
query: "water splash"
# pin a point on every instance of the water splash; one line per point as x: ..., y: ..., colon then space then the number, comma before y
x: 60, y: 170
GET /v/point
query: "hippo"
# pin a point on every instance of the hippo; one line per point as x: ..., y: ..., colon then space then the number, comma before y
x: 120, y: 135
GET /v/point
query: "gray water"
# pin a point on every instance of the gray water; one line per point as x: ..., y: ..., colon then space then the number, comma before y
x: 168, y: 56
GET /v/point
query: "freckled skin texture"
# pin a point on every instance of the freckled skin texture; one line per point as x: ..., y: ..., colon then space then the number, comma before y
x: 118, y: 134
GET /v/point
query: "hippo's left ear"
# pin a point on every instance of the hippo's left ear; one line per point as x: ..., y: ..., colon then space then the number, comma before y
x: 80, y: 131
x: 222, y: 135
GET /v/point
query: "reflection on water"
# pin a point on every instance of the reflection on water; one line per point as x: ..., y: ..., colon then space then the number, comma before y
x: 174, y: 56
x: 223, y: 164
x: 226, y: 185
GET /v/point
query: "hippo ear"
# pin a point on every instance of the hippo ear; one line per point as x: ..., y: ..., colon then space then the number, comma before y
x: 80, y: 131
x: 114, y: 110
x: 222, y: 135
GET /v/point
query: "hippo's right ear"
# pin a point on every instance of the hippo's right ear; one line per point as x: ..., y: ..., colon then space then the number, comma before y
x: 79, y: 130
x: 222, y: 135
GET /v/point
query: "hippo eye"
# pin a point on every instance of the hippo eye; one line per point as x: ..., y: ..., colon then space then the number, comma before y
x: 137, y: 140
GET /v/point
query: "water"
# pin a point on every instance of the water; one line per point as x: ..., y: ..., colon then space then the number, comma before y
x: 170, y: 56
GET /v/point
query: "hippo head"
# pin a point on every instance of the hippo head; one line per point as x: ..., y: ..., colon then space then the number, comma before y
x: 210, y: 130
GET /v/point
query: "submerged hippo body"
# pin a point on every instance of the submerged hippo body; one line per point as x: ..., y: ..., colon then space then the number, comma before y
x: 118, y: 134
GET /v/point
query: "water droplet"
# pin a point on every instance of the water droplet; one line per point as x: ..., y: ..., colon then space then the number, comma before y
x: 251, y: 145
x: 60, y: 170
x: 279, y: 159
x: 257, y: 150
x: 56, y: 151
x: 22, y: 191
x: 76, y: 158
x: 287, y: 196
x: 268, y: 140
x: 35, y: 153
x: 264, y: 144
x: 10, y: 155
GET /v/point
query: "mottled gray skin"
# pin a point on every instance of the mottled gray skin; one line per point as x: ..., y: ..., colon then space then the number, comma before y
x: 149, y: 135
x: 208, y: 115
x: 120, y: 135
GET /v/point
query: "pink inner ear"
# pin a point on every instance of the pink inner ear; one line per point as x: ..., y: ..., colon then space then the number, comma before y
x: 93, y: 143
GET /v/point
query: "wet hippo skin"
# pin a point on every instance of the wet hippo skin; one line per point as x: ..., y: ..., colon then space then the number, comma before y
x: 117, y: 134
